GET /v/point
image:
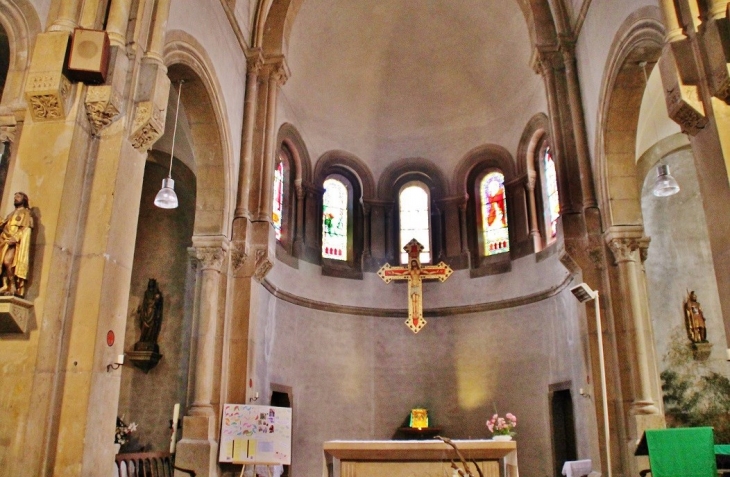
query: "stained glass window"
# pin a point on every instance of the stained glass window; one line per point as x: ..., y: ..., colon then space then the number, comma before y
x: 413, y: 203
x: 278, y: 205
x: 551, y: 185
x: 334, y: 220
x: 495, y: 234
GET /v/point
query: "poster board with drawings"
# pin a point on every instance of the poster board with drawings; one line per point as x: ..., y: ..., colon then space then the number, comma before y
x: 255, y: 435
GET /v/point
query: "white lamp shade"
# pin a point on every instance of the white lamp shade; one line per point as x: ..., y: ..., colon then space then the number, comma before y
x: 166, y: 198
x: 665, y: 184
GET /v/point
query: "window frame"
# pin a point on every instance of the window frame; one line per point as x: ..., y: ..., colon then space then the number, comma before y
x: 428, y: 248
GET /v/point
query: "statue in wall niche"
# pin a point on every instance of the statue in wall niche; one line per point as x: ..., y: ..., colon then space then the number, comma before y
x: 15, y: 232
x: 150, y: 317
x: 694, y: 319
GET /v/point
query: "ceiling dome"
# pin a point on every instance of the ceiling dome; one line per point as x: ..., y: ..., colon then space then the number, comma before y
x: 388, y: 79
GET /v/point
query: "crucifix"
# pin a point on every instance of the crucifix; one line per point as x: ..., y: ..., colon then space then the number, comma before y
x: 415, y: 273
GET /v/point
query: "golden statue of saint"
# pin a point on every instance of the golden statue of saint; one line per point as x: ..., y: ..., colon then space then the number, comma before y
x: 15, y: 242
x: 694, y: 319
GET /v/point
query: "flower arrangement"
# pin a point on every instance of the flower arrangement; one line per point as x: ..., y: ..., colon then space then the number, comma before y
x: 502, y: 426
x: 121, y: 436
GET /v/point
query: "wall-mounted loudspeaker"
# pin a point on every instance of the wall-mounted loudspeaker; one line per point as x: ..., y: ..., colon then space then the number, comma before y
x: 88, y: 59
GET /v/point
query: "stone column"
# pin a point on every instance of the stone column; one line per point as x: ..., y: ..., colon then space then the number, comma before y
x: 389, y: 252
x: 66, y: 16
x: 210, y: 257
x: 579, y: 131
x: 534, y: 225
x: 198, y: 448
x: 299, y: 233
x: 366, y: 230
x: 277, y: 78
x: 254, y: 63
x: 116, y: 25
x: 462, y: 226
x: 671, y: 21
x: 625, y: 243
x: 159, y: 27
x: 718, y: 9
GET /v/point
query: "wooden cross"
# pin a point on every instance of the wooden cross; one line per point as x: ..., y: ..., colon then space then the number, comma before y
x: 415, y: 273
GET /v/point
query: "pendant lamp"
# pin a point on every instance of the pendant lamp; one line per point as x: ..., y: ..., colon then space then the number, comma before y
x: 166, y: 198
x: 665, y: 185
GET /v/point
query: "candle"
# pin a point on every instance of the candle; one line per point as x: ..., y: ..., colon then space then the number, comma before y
x: 175, y: 417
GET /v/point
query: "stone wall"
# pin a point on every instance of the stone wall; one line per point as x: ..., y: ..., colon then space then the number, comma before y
x: 160, y: 252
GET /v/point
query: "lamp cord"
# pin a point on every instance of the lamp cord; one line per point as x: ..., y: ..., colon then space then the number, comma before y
x: 174, y: 131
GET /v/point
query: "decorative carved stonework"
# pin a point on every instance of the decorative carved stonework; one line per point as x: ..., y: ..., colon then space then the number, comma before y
x: 148, y: 125
x: 238, y: 255
x: 210, y: 258
x: 46, y: 94
x: 15, y: 314
x: 684, y: 112
x: 262, y: 265
x: 8, y: 127
x: 684, y: 104
x: 103, y: 105
x: 624, y: 249
x: 254, y: 62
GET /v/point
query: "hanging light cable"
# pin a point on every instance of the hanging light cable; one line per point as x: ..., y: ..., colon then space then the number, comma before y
x: 665, y: 184
x: 166, y: 197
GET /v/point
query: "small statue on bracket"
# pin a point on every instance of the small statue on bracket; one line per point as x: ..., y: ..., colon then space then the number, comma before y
x: 150, y: 316
x: 15, y: 233
x: 694, y: 319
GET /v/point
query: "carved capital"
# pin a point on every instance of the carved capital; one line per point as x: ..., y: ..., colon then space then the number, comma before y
x: 262, y: 264
x: 531, y: 180
x: 238, y: 255
x: 683, y: 106
x: 210, y: 258
x: 624, y: 249
x: 254, y: 62
x: 148, y: 125
x: 8, y: 127
x: 47, y: 93
x: 103, y: 105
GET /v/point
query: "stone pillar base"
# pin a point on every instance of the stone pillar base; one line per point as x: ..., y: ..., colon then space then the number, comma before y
x: 198, y: 449
x: 639, y: 424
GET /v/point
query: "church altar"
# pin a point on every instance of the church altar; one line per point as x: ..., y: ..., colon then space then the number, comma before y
x: 431, y: 458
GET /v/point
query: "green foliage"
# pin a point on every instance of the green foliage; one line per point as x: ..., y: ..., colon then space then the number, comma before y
x: 694, y: 395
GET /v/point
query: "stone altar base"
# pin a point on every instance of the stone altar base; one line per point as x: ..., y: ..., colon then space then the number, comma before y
x: 430, y: 458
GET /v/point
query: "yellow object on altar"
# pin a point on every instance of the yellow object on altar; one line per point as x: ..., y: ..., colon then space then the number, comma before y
x: 419, y: 418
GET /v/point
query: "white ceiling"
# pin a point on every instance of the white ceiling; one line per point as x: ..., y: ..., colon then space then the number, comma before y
x: 388, y: 79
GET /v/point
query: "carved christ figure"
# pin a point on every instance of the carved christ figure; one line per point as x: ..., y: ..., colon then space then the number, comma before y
x: 415, y: 273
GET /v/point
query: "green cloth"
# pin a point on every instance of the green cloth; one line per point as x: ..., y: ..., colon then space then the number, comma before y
x: 722, y: 449
x: 682, y: 452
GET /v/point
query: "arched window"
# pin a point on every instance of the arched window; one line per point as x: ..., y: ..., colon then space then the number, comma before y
x: 334, y: 219
x: 492, y: 217
x: 415, y: 219
x: 277, y: 215
x: 551, y: 199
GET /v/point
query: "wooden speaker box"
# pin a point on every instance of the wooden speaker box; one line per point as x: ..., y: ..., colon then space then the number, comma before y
x: 88, y: 59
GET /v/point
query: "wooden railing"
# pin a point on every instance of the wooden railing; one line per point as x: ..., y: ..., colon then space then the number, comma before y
x: 148, y: 464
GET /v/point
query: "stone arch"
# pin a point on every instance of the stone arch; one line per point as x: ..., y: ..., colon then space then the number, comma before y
x: 416, y: 167
x: 274, y: 20
x: 21, y: 23
x: 332, y: 159
x: 289, y: 135
x: 493, y: 154
x: 210, y: 131
x: 639, y: 39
